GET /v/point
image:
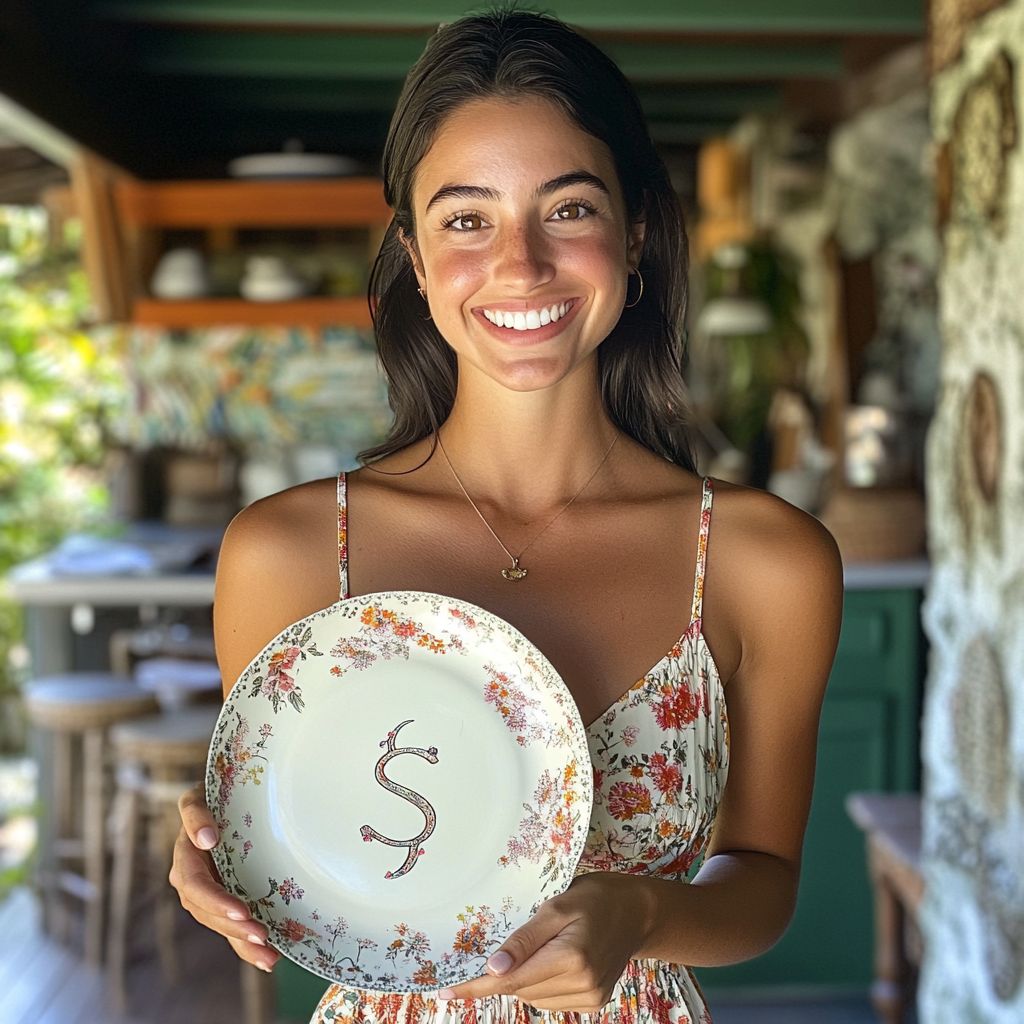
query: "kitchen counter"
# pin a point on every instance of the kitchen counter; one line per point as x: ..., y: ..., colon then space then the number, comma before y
x: 176, y: 570
x: 35, y: 583
x: 48, y: 595
x: 907, y: 574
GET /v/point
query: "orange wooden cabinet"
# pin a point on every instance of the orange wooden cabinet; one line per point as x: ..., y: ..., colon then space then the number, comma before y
x: 144, y: 209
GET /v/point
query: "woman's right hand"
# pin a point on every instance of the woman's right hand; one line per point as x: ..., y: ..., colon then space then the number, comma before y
x: 194, y: 876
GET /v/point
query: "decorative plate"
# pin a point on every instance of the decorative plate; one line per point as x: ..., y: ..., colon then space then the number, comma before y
x: 400, y: 780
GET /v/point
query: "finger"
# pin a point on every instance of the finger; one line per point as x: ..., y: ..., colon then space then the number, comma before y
x: 252, y: 932
x: 504, y: 965
x: 196, y: 817
x: 263, y: 958
x: 564, y: 1004
x: 569, y: 990
x: 194, y: 876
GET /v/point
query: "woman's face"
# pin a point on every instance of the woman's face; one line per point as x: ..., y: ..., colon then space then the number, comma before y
x: 522, y: 244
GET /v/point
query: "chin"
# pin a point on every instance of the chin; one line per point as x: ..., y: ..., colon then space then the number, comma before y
x: 527, y: 375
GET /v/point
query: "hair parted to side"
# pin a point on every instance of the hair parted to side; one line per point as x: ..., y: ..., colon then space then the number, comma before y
x: 511, y: 54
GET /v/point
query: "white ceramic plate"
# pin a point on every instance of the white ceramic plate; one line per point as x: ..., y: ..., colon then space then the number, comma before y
x: 400, y: 780
x: 292, y: 165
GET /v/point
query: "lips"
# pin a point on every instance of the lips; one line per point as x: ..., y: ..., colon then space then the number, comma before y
x: 522, y: 323
x: 529, y: 320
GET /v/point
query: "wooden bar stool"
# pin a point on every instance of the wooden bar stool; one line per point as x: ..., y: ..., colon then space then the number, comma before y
x: 158, y: 759
x: 78, y: 709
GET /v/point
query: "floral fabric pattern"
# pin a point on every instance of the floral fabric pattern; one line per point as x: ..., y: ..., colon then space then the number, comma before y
x: 660, y: 757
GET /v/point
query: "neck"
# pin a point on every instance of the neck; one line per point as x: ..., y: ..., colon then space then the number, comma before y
x: 527, y: 451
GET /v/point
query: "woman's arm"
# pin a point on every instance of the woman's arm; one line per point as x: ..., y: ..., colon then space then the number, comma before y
x: 270, y: 573
x: 777, y: 578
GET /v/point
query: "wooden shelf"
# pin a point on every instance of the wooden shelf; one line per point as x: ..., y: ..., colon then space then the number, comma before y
x: 340, y: 202
x: 312, y: 312
x: 128, y: 218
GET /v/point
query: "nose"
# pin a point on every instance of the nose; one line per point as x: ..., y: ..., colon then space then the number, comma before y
x: 523, y: 259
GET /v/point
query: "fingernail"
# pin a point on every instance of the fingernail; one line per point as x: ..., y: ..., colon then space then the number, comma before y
x: 264, y: 967
x: 446, y: 993
x: 499, y: 963
x: 206, y: 838
x: 238, y: 915
x: 256, y: 940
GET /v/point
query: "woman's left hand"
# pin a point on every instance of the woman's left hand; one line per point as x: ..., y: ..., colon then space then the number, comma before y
x: 571, y: 953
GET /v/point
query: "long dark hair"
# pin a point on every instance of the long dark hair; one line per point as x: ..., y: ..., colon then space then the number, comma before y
x: 509, y: 54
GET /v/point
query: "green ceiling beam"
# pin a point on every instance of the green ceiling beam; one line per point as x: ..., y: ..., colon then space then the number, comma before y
x: 669, y: 62
x: 897, y: 17
x: 663, y: 103
x: 376, y: 57
x: 270, y: 55
x: 709, y: 101
x: 333, y: 96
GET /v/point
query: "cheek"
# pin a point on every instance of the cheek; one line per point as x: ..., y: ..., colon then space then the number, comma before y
x: 597, y: 259
x: 455, y: 273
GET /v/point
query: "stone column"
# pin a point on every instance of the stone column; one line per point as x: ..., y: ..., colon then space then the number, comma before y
x: 973, y: 731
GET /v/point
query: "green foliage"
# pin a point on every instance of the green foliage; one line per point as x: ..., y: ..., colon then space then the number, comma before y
x: 61, y: 387
x: 750, y: 367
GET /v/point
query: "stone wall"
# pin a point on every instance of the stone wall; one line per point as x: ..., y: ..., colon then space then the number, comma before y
x: 973, y: 735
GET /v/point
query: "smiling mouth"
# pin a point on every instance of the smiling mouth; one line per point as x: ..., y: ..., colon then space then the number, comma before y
x: 529, y: 320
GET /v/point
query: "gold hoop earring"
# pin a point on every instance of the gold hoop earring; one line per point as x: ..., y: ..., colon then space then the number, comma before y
x: 423, y: 296
x: 630, y: 305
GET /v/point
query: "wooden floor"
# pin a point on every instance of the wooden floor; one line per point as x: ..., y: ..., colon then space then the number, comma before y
x: 42, y: 982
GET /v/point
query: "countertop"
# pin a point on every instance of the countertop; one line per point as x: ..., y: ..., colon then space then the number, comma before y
x: 907, y: 574
x: 35, y: 583
x: 183, y: 574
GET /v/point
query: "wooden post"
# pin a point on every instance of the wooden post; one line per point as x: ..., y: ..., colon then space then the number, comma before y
x: 105, y: 249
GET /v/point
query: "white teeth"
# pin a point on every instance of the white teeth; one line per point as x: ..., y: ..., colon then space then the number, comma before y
x: 529, y: 321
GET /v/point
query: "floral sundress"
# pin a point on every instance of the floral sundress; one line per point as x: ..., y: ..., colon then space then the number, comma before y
x: 661, y: 757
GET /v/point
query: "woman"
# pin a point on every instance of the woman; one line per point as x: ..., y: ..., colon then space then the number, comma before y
x: 528, y: 305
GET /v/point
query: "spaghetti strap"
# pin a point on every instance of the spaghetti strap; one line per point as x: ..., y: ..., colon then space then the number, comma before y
x: 343, y: 535
x: 697, y: 609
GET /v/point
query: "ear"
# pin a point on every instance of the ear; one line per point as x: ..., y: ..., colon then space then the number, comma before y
x: 635, y: 243
x: 414, y: 256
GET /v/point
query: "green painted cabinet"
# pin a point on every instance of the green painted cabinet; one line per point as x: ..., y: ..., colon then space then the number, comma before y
x: 868, y: 739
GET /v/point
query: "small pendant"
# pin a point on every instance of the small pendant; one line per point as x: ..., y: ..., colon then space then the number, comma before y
x: 515, y: 573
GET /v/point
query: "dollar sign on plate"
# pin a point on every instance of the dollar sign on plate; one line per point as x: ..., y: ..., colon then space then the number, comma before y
x: 415, y: 850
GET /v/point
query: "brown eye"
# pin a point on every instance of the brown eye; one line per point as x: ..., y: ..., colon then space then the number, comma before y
x: 467, y: 222
x: 571, y: 212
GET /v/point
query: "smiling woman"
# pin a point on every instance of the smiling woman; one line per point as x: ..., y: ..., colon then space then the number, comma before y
x: 527, y: 196
x: 506, y: 63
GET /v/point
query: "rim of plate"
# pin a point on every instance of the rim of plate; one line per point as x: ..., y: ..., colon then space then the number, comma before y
x: 224, y: 861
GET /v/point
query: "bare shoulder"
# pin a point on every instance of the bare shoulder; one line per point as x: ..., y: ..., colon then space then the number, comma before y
x: 277, y: 526
x: 774, y: 574
x: 763, y: 533
x: 277, y: 564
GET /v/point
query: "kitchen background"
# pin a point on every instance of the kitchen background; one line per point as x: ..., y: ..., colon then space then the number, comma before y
x: 183, y: 331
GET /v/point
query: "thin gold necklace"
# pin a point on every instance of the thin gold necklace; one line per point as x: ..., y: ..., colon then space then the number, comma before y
x: 516, y: 571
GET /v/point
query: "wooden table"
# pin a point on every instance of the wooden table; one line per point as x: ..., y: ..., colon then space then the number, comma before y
x: 892, y: 823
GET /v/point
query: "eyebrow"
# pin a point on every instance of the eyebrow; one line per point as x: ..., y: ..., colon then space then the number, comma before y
x: 572, y: 178
x: 493, y: 195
